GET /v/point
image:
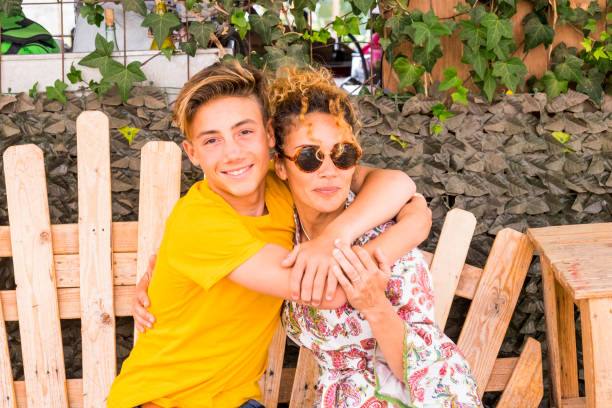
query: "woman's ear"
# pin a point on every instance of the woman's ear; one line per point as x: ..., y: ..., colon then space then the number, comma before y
x: 270, y: 134
x: 190, y: 150
x: 279, y: 166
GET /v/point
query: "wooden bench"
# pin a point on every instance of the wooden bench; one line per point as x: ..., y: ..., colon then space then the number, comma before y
x: 88, y: 271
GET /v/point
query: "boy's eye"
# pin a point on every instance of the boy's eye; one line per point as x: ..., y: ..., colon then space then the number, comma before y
x: 211, y: 141
x: 246, y: 132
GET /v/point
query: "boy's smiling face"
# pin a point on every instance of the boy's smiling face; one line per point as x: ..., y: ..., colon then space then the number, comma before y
x: 229, y: 142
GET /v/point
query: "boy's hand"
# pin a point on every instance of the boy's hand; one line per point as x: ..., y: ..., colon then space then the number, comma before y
x: 311, y: 274
x: 142, y: 318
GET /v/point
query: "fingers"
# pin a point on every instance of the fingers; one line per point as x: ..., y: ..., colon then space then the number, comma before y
x: 348, y: 261
x: 295, y: 280
x: 152, y: 261
x: 342, y: 279
x: 308, y: 282
x: 382, y: 261
x: 291, y: 257
x: 332, y: 285
x: 319, y: 284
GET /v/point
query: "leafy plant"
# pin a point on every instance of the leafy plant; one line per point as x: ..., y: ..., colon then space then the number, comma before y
x: 10, y: 8
x: 440, y: 112
x: 94, y: 13
x: 57, y: 91
x: 33, y: 92
x: 75, y: 75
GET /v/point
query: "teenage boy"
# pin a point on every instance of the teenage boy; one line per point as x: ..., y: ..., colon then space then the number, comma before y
x: 219, y: 282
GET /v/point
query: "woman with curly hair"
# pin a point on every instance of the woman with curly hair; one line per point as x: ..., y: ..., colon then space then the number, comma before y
x: 382, y: 348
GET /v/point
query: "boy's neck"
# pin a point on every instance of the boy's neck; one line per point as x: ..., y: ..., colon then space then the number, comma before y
x: 253, y: 205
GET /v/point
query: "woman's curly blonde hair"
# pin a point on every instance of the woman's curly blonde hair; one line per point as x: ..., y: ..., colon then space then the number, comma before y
x: 297, y: 92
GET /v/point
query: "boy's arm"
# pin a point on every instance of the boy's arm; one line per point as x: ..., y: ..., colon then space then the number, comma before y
x: 382, y: 193
x: 412, y: 228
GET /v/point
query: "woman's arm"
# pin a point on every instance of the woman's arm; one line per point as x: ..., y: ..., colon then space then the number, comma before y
x: 411, y: 229
x: 382, y: 194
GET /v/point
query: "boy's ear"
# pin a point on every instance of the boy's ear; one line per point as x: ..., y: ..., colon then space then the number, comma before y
x: 270, y: 134
x: 190, y: 150
x: 279, y: 166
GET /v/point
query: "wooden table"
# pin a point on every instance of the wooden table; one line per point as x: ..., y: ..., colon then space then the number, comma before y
x: 577, y: 268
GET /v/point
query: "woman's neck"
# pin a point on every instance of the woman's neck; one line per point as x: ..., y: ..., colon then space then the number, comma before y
x: 314, y: 222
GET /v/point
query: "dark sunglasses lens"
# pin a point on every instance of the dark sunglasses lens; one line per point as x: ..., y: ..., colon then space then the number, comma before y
x: 345, y: 155
x: 307, y: 160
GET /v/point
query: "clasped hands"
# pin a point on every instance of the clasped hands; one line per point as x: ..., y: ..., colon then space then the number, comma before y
x: 317, y: 267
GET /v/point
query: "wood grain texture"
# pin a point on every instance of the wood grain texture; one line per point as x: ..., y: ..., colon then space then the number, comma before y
x: 549, y: 292
x: 39, y: 326
x: 160, y: 188
x: 567, y: 343
x: 449, y: 258
x: 95, y: 257
x: 468, y: 281
x: 271, y: 379
x: 492, y: 307
x: 65, y: 238
x: 525, y: 388
x: 7, y: 391
x: 596, y: 317
x: 307, y: 372
x: 69, y: 300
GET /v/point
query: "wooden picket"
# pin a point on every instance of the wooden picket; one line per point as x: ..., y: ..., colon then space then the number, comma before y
x: 7, y: 391
x: 160, y: 185
x: 39, y: 325
x: 449, y: 258
x: 95, y: 257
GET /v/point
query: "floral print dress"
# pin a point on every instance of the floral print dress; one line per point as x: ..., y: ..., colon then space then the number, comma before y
x: 354, y: 373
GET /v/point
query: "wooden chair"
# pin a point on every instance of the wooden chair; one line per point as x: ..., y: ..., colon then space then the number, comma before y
x: 88, y: 271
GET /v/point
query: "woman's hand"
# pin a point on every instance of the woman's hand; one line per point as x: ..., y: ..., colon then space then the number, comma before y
x: 142, y: 318
x: 363, y: 279
x: 311, y: 273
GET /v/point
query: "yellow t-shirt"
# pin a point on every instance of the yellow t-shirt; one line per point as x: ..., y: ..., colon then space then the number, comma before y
x: 210, y: 341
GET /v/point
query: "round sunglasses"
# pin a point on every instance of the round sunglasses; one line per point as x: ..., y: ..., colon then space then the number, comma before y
x: 309, y: 158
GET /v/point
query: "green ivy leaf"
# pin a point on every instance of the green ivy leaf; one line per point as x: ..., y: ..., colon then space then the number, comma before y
x: 439, y: 111
x: 592, y: 85
x: 33, y: 92
x: 451, y: 80
x: 10, y: 8
x: 408, y: 73
x: 263, y: 25
x: 590, y: 26
x: 510, y: 72
x: 240, y: 23
x: 600, y: 53
x: 189, y: 47
x: 57, y: 91
x: 477, y: 14
x: 604, y: 36
x: 294, y: 54
x: 137, y: 6
x: 428, y: 60
x: 201, y: 32
x: 536, y: 32
x: 192, y: 3
x: 94, y: 13
x: 496, y: 29
x: 461, y: 95
x: 586, y: 43
x: 489, y: 85
x: 478, y: 59
x: 101, y: 57
x: 363, y: 5
x: 385, y: 43
x: 570, y: 69
x: 553, y: 86
x: 167, y: 52
x: 437, y: 129
x: 101, y: 87
x: 161, y: 25
x: 475, y: 35
x: 129, y: 132
x: 74, y: 75
x: 345, y: 27
x: 124, y: 77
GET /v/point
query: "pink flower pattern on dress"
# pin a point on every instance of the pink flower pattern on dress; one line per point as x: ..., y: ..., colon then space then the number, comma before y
x: 342, y: 341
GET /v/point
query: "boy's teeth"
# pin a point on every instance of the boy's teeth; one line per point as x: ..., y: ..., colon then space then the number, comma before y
x: 237, y: 172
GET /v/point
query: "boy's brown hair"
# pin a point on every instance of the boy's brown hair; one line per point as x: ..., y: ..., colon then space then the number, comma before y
x: 217, y: 80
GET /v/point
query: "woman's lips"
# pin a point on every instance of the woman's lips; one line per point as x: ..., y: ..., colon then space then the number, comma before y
x: 327, y: 190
